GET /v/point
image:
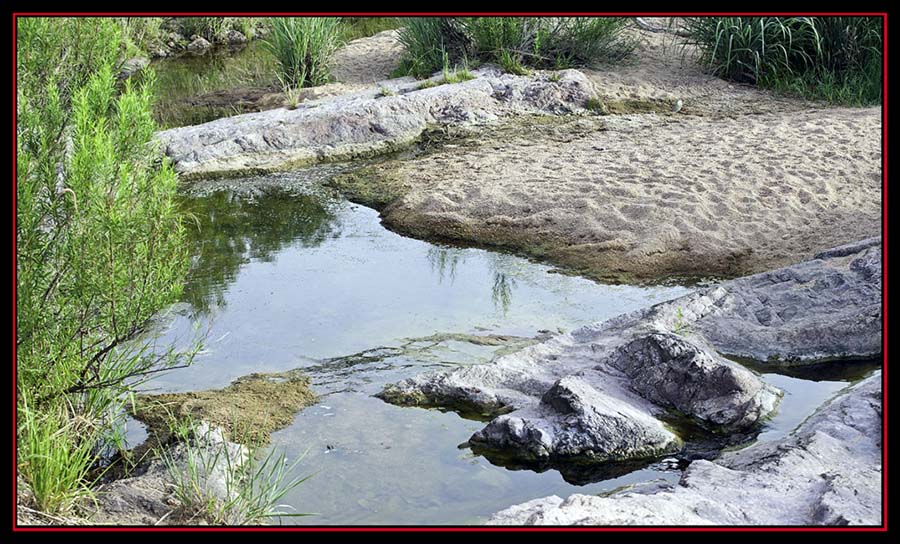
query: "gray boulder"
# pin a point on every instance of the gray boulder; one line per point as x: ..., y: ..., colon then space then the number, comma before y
x: 827, y: 472
x: 133, y: 66
x: 569, y: 397
x: 577, y: 420
x: 231, y: 37
x: 824, y: 309
x: 198, y: 46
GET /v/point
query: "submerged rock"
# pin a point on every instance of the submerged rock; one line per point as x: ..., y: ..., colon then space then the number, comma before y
x: 366, y: 122
x: 827, y: 472
x: 597, y: 393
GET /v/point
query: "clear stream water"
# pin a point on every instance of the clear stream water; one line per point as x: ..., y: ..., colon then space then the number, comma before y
x: 288, y: 275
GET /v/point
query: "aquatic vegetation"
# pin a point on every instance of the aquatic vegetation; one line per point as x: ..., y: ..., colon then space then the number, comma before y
x: 251, y: 408
x: 838, y: 59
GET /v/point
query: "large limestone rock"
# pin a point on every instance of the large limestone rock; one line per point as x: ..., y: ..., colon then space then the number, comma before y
x: 368, y: 122
x: 826, y: 308
x: 597, y: 393
x: 827, y: 472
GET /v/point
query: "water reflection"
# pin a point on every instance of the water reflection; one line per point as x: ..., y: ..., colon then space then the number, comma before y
x: 228, y: 230
x: 443, y: 261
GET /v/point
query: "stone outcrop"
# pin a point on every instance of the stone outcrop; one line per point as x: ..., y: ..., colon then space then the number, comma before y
x: 827, y: 472
x: 597, y: 393
x: 365, y: 123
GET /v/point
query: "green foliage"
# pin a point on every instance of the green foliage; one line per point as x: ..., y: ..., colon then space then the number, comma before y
x: 52, y: 456
x: 427, y: 40
x: 99, y: 246
x: 210, y: 28
x: 513, y: 42
x: 139, y: 33
x: 303, y: 47
x: 838, y: 59
x: 205, y: 27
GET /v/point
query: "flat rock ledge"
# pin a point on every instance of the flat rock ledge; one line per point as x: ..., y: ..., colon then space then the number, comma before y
x: 599, y: 392
x: 827, y: 472
x: 382, y: 118
x: 210, y: 464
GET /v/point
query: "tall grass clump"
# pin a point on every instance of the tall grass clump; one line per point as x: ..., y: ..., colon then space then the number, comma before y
x: 838, y: 59
x: 514, y: 42
x: 303, y: 47
x: 99, y: 246
x: 223, y: 484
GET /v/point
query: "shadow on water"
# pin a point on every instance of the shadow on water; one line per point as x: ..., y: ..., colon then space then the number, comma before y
x: 575, y: 472
x: 844, y: 370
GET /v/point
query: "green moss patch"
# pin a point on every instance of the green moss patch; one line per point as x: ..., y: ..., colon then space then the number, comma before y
x: 249, y: 410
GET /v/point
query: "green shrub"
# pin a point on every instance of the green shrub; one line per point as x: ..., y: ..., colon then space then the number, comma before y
x: 303, y: 47
x: 833, y: 58
x: 513, y: 42
x: 253, y: 483
x: 99, y: 246
x: 205, y: 27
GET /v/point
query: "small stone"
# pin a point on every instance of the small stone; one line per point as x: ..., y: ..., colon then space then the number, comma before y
x: 199, y: 46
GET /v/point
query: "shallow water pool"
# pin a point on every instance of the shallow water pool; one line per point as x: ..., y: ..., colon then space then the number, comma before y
x: 286, y: 275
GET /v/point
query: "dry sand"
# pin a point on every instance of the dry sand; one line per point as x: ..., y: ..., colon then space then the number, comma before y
x: 739, y: 181
x: 367, y: 60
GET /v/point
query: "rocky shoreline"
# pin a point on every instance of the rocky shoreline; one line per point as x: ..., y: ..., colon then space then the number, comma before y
x: 827, y: 472
x: 602, y: 393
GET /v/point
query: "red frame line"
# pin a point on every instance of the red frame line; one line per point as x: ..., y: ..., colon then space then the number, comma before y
x: 882, y: 528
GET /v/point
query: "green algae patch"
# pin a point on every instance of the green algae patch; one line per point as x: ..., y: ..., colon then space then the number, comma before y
x: 642, y: 105
x: 250, y: 409
x: 370, y: 186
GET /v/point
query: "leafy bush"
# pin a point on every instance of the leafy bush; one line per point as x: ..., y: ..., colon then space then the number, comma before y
x: 303, y: 47
x: 205, y: 27
x: 834, y: 58
x: 513, y: 42
x: 99, y: 246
